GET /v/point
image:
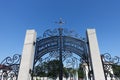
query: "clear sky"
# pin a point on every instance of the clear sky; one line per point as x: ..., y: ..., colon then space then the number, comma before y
x: 16, y: 16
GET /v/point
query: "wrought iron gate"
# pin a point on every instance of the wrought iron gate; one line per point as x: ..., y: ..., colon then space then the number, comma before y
x: 59, y: 45
x: 111, y: 67
x: 57, y: 54
x: 9, y: 67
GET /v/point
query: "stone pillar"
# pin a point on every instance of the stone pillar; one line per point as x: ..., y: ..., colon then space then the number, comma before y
x: 27, y: 56
x: 98, y: 73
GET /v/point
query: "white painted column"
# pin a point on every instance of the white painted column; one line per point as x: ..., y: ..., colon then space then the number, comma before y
x: 76, y: 75
x: 85, y: 69
x: 27, y: 56
x: 96, y: 63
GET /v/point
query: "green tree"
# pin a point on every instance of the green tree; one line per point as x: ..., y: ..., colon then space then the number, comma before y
x: 116, y: 70
x: 40, y: 70
x: 80, y: 71
x: 48, y: 69
x: 66, y: 73
x: 51, y: 69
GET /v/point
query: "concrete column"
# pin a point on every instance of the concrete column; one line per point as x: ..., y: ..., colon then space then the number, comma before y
x: 27, y: 55
x: 98, y: 73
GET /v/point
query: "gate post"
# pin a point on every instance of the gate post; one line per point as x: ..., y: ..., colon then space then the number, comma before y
x: 27, y: 56
x: 97, y: 67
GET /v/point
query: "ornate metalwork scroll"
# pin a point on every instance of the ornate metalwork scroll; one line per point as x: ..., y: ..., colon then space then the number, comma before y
x: 60, y: 44
x: 9, y: 67
x: 65, y: 32
x: 109, y: 64
x: 70, y: 42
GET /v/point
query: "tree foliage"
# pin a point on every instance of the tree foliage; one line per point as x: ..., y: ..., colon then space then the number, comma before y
x: 116, y: 70
x: 48, y: 69
x: 51, y: 69
x: 80, y: 71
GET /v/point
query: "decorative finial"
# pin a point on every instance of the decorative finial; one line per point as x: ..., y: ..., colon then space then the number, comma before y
x: 61, y: 22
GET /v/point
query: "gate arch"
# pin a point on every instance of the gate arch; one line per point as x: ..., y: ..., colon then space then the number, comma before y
x: 60, y: 41
x: 71, y: 44
x: 64, y: 43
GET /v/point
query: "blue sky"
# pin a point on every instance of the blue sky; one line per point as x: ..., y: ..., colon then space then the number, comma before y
x: 16, y: 16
